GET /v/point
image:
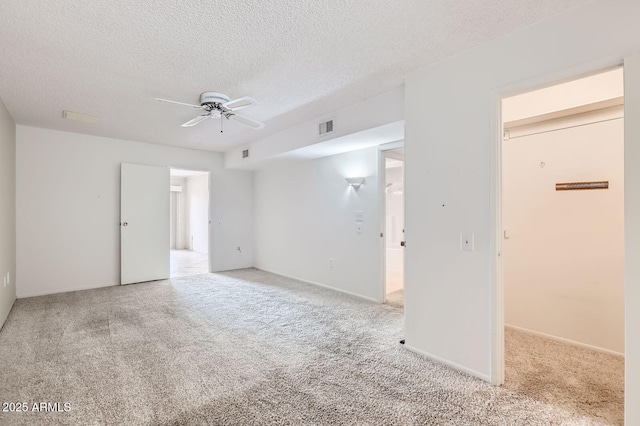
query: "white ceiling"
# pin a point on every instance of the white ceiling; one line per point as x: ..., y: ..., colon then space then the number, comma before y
x: 299, y: 59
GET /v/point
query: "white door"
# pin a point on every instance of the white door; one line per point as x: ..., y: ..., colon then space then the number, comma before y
x: 144, y: 223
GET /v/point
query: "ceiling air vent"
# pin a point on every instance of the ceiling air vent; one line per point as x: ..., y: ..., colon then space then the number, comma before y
x: 78, y: 116
x: 245, y: 153
x: 326, y: 127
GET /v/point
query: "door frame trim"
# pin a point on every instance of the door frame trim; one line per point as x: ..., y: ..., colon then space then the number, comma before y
x: 209, y: 219
x: 382, y: 212
x: 497, y: 367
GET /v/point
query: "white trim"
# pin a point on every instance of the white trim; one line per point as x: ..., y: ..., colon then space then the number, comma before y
x: 3, y: 320
x: 382, y: 211
x: 497, y: 367
x: 180, y: 207
x: 563, y: 340
x: 631, y: 238
x: 449, y: 363
x: 359, y: 296
x: 67, y: 290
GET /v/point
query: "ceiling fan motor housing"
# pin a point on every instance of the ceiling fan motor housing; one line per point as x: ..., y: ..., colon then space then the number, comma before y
x: 210, y: 98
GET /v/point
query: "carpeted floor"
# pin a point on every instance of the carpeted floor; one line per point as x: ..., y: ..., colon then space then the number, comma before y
x: 580, y: 380
x: 243, y: 348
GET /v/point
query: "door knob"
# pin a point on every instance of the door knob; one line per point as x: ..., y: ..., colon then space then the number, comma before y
x: 403, y: 243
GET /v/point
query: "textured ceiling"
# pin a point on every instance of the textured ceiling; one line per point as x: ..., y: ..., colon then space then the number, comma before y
x: 299, y: 59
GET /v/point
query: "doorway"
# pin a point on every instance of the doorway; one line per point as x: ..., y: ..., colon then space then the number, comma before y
x: 189, y: 223
x: 562, y: 214
x: 394, y: 226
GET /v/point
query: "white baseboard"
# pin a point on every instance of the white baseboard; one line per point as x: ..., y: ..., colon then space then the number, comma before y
x: 21, y: 295
x: 563, y: 340
x: 453, y: 365
x: 2, y: 320
x: 320, y: 285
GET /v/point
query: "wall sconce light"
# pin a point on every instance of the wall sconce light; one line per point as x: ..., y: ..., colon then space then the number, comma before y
x: 355, y: 182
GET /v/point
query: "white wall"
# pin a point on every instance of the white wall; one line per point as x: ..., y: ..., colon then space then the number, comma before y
x: 452, y: 128
x: 564, y: 256
x: 68, y: 208
x: 197, y: 193
x: 306, y: 215
x: 7, y: 211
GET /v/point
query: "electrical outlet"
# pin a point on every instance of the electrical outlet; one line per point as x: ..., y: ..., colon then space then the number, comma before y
x: 330, y: 263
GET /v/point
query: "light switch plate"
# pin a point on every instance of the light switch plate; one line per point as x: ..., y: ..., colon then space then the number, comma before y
x: 466, y: 241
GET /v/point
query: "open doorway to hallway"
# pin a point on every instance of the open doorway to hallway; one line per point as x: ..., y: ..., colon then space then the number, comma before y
x: 394, y: 226
x: 189, y: 223
x: 563, y: 244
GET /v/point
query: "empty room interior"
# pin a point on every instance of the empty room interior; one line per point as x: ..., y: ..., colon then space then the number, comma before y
x: 320, y: 213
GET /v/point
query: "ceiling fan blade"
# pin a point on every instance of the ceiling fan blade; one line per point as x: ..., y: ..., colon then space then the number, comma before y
x: 245, y: 120
x: 197, y: 120
x: 240, y: 103
x: 179, y: 103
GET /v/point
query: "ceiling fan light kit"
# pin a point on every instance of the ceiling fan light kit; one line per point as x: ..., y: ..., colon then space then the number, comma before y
x: 218, y: 105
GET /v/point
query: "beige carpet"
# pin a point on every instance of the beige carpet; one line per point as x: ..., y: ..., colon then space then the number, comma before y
x: 579, y: 380
x: 242, y: 348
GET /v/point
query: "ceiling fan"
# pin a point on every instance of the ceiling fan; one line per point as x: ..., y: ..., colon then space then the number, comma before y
x: 218, y: 105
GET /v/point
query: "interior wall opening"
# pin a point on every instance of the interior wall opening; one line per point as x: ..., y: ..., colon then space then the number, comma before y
x: 189, y: 223
x: 563, y: 242
x: 394, y: 226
